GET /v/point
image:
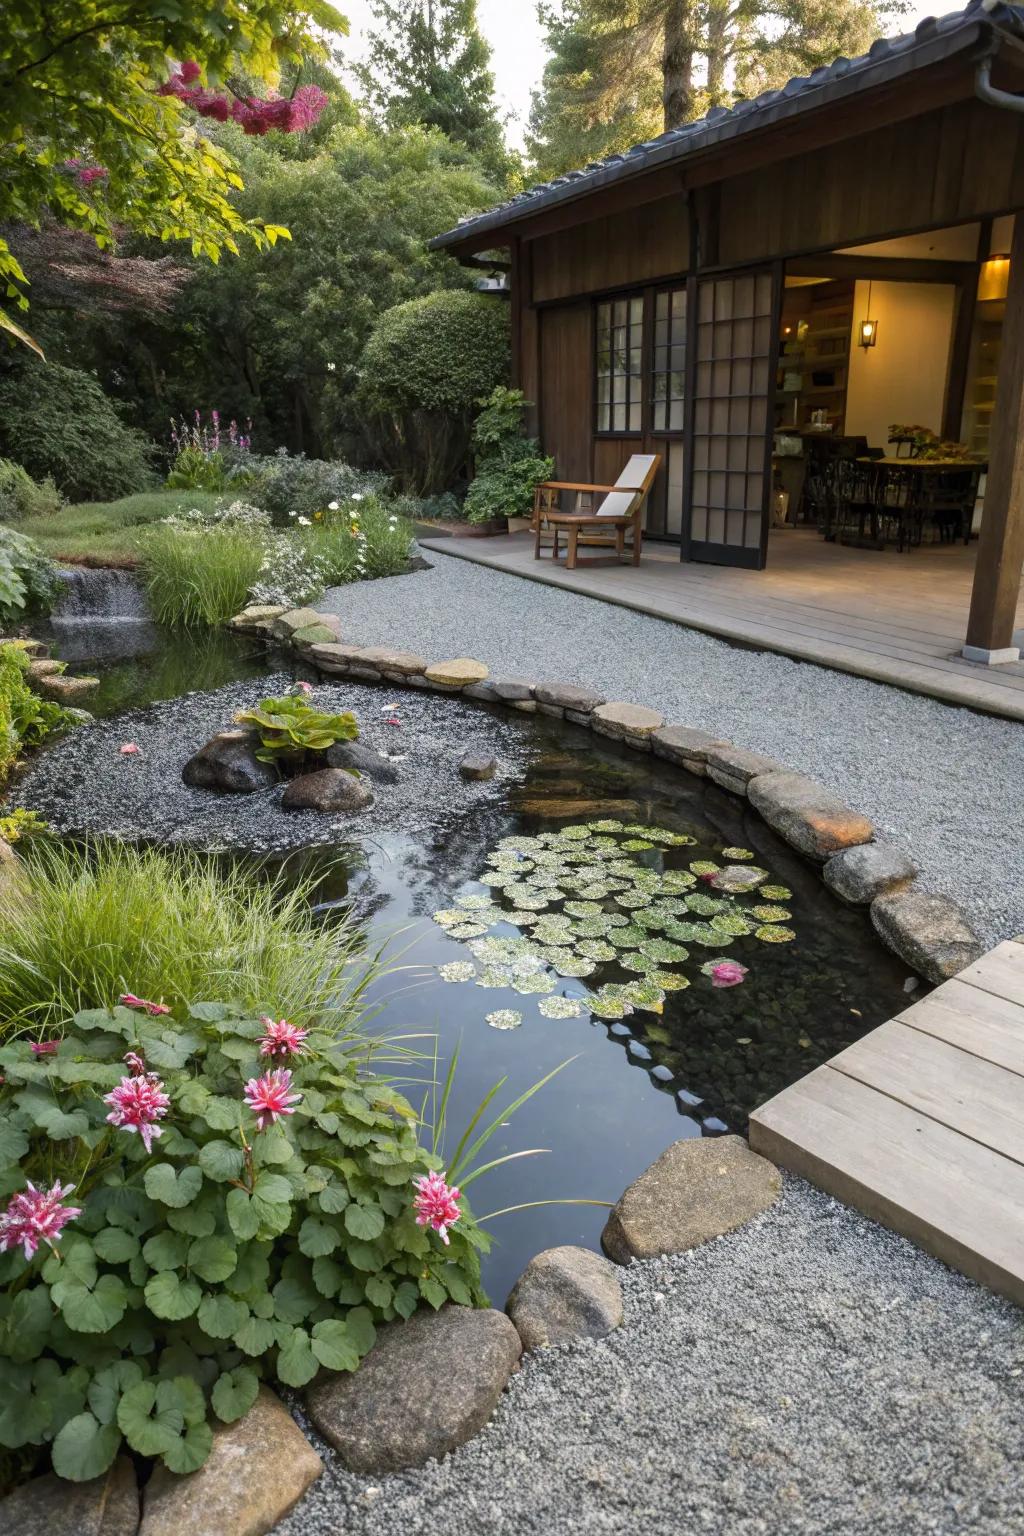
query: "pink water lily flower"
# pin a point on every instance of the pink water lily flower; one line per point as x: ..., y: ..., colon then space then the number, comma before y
x: 137, y: 1103
x: 282, y: 1039
x: 270, y: 1097
x: 435, y: 1204
x: 131, y: 749
x: 44, y: 1047
x: 129, y: 1000
x: 727, y: 973
x: 36, y: 1216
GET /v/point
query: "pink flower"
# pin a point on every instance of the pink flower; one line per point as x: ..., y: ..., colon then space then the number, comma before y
x: 435, y: 1204
x: 135, y: 1061
x: 137, y: 1103
x: 282, y: 1039
x: 36, y: 1216
x: 304, y: 688
x: 130, y: 749
x: 394, y: 720
x: 44, y: 1047
x: 269, y: 1096
x: 129, y: 1000
x: 727, y: 973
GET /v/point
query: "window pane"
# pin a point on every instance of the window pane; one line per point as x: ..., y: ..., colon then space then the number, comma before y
x: 634, y: 416
x: 636, y: 311
x: 619, y: 418
x: 618, y: 362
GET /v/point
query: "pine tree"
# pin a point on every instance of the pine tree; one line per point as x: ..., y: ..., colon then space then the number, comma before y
x: 429, y: 64
x: 621, y: 71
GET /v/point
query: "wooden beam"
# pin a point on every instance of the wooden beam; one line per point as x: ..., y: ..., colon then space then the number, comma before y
x: 880, y: 269
x: 1001, y: 545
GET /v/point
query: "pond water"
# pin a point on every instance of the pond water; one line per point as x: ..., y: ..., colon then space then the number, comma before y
x: 578, y: 865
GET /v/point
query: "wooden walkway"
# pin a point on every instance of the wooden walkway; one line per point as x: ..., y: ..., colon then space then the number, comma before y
x: 898, y: 619
x: 920, y: 1125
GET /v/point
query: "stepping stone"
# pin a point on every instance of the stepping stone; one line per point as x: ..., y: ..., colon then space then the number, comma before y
x: 259, y: 617
x: 501, y: 690
x: 930, y: 933
x: 66, y: 689
x: 52, y: 1506
x: 258, y: 1468
x: 860, y: 874
x: 811, y: 819
x: 698, y: 1189
x: 454, y: 675
x: 576, y: 703
x: 394, y: 665
x: 477, y: 766
x: 427, y: 1385
x: 565, y: 1293
x: 623, y: 722
x: 734, y: 767
x: 686, y: 747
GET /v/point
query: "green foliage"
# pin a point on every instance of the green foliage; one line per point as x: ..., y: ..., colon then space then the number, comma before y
x: 58, y: 422
x: 194, y: 470
x: 112, y: 533
x: 362, y: 538
x: 509, y: 466
x: 289, y: 728
x: 78, y: 96
x: 20, y: 496
x: 430, y: 66
x: 27, y: 578
x: 19, y: 825
x: 425, y: 366
x: 290, y: 485
x: 200, y: 575
x: 26, y: 720
x: 224, y: 1256
x: 89, y: 924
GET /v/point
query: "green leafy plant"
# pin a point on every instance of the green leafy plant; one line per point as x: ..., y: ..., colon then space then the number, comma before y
x: 28, y: 579
x: 19, y: 825
x: 20, y: 496
x: 26, y: 720
x: 509, y: 466
x: 57, y: 421
x: 198, y: 1252
x: 200, y: 575
x: 289, y: 728
x: 290, y: 485
x: 194, y: 470
x: 89, y: 922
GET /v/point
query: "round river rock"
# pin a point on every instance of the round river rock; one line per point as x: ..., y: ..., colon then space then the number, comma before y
x: 426, y: 1386
x: 328, y: 789
x: 565, y: 1293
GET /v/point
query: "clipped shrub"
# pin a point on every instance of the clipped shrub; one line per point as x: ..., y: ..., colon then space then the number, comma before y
x: 218, y: 1198
x: 88, y: 923
x: 509, y: 466
x: 424, y: 367
x: 20, y: 496
x: 57, y: 422
x: 28, y: 580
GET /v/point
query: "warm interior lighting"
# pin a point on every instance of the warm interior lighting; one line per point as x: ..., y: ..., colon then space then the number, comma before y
x: 993, y: 278
x: 868, y: 328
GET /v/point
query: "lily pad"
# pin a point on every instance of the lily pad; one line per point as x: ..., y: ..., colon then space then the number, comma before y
x: 704, y: 867
x: 705, y: 906
x: 449, y: 917
x: 494, y: 976
x: 736, y: 854
x: 631, y: 900
x: 773, y: 933
x: 471, y: 903
x: 457, y: 970
x: 560, y: 1007
x: 596, y: 949
x: 578, y: 965
x: 538, y: 984
x: 636, y: 960
x: 468, y: 930
x: 608, y: 824
x: 532, y: 903
x: 645, y: 994
x: 602, y: 1006
x: 675, y: 881
x: 505, y: 1018
x: 733, y: 923
x: 628, y: 937
x: 776, y: 892
x: 771, y: 914
x: 583, y: 908
x: 668, y: 981
x: 664, y: 952
x: 637, y: 845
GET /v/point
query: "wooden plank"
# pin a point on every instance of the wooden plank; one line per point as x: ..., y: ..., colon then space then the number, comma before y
x: 941, y: 1081
x: 959, y: 1200
x: 986, y: 1025
x: 1000, y: 971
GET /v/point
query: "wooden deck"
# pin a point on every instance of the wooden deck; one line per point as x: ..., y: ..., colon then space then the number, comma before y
x: 920, y: 1125
x: 899, y: 619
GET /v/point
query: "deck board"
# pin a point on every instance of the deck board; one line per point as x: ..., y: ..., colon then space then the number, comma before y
x: 921, y: 1123
x: 898, y: 619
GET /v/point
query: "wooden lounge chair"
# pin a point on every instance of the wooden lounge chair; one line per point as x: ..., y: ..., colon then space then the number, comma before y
x: 620, y: 511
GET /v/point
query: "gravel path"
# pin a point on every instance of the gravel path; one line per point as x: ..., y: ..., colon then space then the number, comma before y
x: 808, y: 1375
x: 944, y: 783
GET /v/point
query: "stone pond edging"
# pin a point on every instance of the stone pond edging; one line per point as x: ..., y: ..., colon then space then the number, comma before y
x: 928, y: 932
x: 432, y: 1382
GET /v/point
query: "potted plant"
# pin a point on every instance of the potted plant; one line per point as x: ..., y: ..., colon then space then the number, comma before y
x: 509, y: 466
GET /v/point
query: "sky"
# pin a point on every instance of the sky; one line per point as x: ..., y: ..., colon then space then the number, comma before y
x: 517, y: 45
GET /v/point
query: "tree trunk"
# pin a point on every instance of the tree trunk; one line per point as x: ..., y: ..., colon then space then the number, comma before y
x: 677, y: 64
x: 717, y: 51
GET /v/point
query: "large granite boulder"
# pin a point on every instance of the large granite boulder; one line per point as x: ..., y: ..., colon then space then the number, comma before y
x: 355, y: 754
x: 565, y: 1293
x: 426, y: 1386
x: 258, y: 1468
x: 228, y: 762
x: 686, y: 747
x: 930, y: 933
x: 859, y: 874
x: 51, y: 1506
x: 810, y: 818
x: 327, y: 789
x: 698, y: 1189
x: 734, y: 767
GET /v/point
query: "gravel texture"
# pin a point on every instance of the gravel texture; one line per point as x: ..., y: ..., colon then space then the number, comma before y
x: 942, y: 783
x: 808, y: 1375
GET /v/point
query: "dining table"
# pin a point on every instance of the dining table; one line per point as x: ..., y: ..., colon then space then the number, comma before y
x: 904, y: 492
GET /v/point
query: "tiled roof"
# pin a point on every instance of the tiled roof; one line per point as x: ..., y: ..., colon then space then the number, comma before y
x: 931, y: 41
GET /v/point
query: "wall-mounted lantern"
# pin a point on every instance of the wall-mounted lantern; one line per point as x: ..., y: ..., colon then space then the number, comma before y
x: 868, y: 329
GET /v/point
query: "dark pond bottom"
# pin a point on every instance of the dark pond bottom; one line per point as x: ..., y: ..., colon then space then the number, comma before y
x: 695, y: 1065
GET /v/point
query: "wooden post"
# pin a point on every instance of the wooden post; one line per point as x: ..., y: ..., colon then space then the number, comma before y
x: 1001, y: 544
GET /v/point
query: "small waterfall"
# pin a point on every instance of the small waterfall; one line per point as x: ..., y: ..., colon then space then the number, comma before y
x: 99, y: 597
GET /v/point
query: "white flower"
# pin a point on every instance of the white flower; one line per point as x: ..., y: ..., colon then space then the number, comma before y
x: 293, y: 514
x: 304, y: 522
x: 331, y: 367
x: 332, y: 506
x: 356, y: 496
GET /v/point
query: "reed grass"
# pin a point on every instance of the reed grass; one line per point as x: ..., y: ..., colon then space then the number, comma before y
x: 198, y: 577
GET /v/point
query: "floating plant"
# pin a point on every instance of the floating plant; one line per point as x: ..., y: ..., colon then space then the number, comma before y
x: 504, y: 1018
x: 561, y: 1007
x: 457, y: 970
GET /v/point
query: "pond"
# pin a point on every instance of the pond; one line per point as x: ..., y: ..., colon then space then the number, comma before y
x: 561, y: 916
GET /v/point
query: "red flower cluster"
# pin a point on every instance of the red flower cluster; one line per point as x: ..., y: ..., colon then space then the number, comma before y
x: 255, y: 116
